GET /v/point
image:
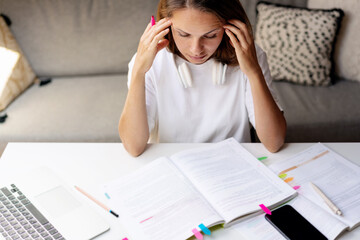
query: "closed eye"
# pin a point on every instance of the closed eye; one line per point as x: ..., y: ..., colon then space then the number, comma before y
x: 183, y: 35
x: 212, y: 36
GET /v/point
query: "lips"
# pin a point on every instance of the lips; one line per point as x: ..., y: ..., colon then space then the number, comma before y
x: 197, y: 58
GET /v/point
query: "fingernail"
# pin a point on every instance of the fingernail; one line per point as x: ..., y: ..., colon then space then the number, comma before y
x: 152, y: 21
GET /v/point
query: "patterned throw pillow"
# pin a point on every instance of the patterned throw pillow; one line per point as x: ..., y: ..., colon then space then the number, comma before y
x: 15, y: 72
x: 299, y: 42
x: 347, y: 50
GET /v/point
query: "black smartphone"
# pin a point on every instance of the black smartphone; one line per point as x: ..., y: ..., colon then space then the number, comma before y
x: 292, y: 225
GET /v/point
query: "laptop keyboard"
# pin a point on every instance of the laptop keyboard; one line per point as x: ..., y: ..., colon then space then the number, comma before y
x: 20, y: 219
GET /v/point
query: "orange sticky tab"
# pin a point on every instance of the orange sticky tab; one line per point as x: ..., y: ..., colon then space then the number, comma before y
x: 289, y: 179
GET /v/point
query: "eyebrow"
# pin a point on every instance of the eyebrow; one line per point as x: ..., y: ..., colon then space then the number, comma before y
x: 203, y: 34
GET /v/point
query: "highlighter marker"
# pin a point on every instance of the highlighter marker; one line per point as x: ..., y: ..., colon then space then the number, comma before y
x: 152, y: 21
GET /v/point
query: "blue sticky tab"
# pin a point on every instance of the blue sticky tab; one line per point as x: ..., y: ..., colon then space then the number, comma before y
x: 204, y: 229
x: 107, y: 196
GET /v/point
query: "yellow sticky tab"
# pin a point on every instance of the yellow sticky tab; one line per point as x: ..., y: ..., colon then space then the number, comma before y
x: 282, y: 176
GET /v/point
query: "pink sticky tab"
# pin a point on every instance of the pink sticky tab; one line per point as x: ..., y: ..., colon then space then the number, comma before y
x: 265, y: 209
x: 197, y: 234
x: 296, y: 187
x: 125, y: 239
x: 152, y: 21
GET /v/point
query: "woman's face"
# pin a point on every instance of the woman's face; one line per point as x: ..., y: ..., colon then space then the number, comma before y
x: 197, y: 34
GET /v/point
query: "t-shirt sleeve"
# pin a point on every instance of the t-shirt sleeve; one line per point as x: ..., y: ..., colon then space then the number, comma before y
x: 262, y: 59
x: 150, y: 94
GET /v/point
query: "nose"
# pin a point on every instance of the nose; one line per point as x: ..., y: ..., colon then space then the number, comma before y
x: 196, y: 47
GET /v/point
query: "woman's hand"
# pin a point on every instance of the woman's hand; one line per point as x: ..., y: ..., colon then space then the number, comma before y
x: 151, y: 42
x: 244, y: 45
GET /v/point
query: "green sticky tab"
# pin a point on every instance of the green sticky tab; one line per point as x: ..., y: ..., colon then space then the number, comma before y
x: 282, y: 176
x: 262, y: 158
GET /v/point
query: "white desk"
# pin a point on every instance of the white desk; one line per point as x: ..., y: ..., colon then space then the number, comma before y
x: 90, y: 164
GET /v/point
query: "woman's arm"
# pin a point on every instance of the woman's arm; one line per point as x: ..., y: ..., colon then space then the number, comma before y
x: 133, y: 125
x: 269, y: 120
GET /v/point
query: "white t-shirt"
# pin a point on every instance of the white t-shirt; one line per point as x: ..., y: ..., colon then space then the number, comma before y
x: 204, y: 112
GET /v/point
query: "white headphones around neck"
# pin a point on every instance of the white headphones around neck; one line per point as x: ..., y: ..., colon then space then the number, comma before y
x: 218, y: 74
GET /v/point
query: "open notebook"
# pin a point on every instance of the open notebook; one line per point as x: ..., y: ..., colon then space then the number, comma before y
x: 220, y: 184
x: 337, y: 177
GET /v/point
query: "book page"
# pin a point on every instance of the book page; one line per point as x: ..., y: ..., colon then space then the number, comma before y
x: 337, y: 177
x: 231, y: 179
x: 259, y: 228
x: 156, y: 202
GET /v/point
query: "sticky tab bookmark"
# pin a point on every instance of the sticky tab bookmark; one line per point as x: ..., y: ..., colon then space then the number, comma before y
x: 262, y: 158
x: 204, y: 229
x: 197, y: 234
x: 125, y: 239
x: 265, y: 209
x: 289, y: 179
x: 282, y: 176
x: 296, y: 187
x: 107, y: 196
x: 153, y: 21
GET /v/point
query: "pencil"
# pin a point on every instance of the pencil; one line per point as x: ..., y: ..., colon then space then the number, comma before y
x: 330, y: 204
x: 96, y: 201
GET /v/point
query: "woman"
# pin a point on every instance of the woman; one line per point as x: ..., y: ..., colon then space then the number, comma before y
x: 197, y: 76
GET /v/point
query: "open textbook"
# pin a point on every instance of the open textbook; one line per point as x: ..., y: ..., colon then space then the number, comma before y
x: 219, y: 184
x: 337, y: 177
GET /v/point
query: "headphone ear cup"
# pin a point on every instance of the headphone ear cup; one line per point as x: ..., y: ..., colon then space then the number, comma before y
x: 185, y: 76
x: 223, y: 74
x: 218, y: 73
x: 215, y: 72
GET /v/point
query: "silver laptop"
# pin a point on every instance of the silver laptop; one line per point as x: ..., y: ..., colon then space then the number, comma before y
x: 39, y: 205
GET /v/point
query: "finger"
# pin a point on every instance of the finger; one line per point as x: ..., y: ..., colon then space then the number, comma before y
x: 156, y: 29
x: 150, y: 27
x: 233, y: 40
x: 149, y: 36
x: 147, y: 28
x: 242, y: 26
x: 160, y: 36
x: 160, y: 24
x: 146, y: 33
x: 162, y: 44
x: 238, y: 33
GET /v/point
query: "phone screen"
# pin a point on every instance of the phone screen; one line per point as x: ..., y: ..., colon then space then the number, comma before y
x: 292, y: 225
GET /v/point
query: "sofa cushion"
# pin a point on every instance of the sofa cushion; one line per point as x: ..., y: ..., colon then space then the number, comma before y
x: 15, y: 72
x: 71, y: 109
x: 298, y: 42
x: 250, y: 7
x: 314, y: 114
x: 82, y: 37
x: 347, y: 50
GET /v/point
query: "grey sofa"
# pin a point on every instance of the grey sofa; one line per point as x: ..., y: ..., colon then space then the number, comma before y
x: 85, y: 45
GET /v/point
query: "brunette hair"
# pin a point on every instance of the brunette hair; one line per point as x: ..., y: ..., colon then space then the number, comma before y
x: 224, y: 9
